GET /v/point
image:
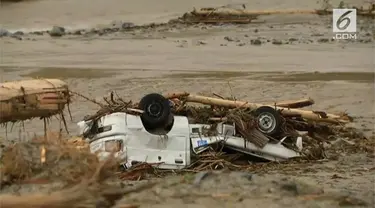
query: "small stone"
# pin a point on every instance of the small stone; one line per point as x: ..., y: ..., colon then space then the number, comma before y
x: 368, y: 34
x: 366, y: 40
x: 323, y: 40
x: 256, y: 42
x: 77, y: 32
x: 256, y: 30
x: 37, y: 33
x: 317, y: 34
x: 100, y: 203
x: 16, y: 37
x: 241, y: 44
x: 302, y: 188
x: 277, y: 42
x: 293, y: 39
x: 116, y: 24
x: 127, y: 25
x: 4, y: 32
x: 351, y: 201
x: 57, y: 31
x: 241, y: 174
x: 19, y: 33
x: 228, y: 39
x: 201, y: 42
x: 199, y: 177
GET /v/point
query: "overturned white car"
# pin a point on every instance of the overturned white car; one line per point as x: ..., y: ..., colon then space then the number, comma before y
x: 159, y: 136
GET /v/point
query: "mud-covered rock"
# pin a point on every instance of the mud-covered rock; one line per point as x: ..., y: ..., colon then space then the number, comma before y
x: 37, y: 33
x: 17, y: 37
x: 277, y: 42
x: 299, y: 187
x: 229, y: 39
x: 4, y: 32
x: 256, y: 42
x: 127, y: 25
x: 57, y: 31
x: 19, y: 33
x: 323, y: 40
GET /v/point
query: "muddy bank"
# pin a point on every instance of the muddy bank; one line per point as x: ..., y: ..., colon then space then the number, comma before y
x: 179, y: 28
x: 347, y: 182
x: 35, y: 15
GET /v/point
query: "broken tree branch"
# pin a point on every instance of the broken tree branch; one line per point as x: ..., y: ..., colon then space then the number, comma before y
x: 308, y: 115
x: 286, y: 103
x: 238, y: 12
x: 294, y: 103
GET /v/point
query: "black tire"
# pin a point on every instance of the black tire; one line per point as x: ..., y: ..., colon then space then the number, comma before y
x: 268, y: 120
x: 157, y: 111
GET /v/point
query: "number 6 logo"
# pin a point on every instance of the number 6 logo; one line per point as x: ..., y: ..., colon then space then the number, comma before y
x: 343, y: 19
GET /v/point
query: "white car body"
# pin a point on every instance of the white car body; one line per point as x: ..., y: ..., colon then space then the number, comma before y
x: 174, y: 149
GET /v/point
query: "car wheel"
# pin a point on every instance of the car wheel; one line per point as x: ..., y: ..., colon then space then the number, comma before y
x: 156, y: 109
x: 268, y: 120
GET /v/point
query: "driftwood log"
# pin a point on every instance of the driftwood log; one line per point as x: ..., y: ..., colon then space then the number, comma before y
x: 239, y: 12
x: 27, y: 99
x: 286, y: 103
x: 294, y: 103
x: 316, y: 116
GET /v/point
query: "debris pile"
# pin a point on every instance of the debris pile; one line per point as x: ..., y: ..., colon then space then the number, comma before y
x: 92, y: 191
x: 324, y: 135
x: 228, y: 14
x: 321, y: 132
x: 47, y: 159
x: 51, y: 158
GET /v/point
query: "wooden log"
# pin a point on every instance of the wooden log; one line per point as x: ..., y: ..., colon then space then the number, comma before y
x: 308, y: 115
x: 27, y: 99
x: 214, y: 21
x: 286, y: 104
x: 294, y: 103
x: 175, y: 95
x: 237, y: 12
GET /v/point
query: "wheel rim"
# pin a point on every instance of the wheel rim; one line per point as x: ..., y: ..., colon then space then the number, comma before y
x: 266, y: 122
x: 154, y: 109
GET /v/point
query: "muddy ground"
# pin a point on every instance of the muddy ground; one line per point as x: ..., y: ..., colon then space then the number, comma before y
x: 276, y: 58
x: 345, y: 182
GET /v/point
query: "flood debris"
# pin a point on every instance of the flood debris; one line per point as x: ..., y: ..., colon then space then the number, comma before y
x: 91, y: 191
x: 199, y: 139
x: 225, y: 14
x: 36, y: 98
x: 186, y: 132
x: 48, y: 158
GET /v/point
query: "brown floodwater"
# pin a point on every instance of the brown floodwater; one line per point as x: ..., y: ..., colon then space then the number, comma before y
x: 338, y: 75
